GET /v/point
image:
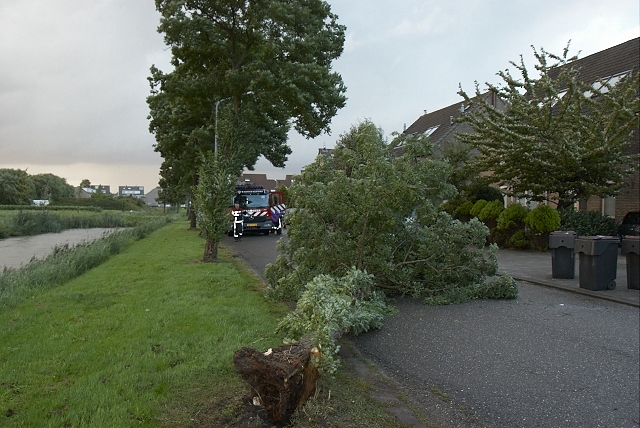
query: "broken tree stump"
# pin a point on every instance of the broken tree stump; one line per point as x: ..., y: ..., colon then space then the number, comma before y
x: 283, y: 378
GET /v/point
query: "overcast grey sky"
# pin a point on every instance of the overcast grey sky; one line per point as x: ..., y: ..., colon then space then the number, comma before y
x: 73, y: 72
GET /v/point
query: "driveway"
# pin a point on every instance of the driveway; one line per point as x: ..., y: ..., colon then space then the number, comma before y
x: 550, y: 358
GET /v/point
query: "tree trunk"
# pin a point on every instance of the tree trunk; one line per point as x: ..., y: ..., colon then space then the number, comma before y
x: 283, y: 378
x: 210, y: 250
x: 192, y: 219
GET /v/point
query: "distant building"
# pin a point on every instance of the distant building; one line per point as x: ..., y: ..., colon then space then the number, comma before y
x: 325, y: 153
x: 135, y: 191
x: 83, y: 192
x: 151, y: 198
x: 104, y: 188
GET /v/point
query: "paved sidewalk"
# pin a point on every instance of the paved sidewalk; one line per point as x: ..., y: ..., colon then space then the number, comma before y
x: 535, y: 267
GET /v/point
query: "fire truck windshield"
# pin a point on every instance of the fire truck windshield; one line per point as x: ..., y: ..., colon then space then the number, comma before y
x: 251, y: 201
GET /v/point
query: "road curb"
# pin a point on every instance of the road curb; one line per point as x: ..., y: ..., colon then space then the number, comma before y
x: 582, y: 291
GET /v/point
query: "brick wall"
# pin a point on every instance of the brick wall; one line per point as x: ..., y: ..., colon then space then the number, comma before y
x: 629, y: 197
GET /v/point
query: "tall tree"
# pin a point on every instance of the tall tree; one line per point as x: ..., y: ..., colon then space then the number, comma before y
x: 16, y: 187
x: 50, y: 186
x: 244, y: 73
x: 560, y: 139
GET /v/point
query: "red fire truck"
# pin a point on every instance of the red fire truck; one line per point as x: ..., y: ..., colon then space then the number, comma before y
x: 262, y: 211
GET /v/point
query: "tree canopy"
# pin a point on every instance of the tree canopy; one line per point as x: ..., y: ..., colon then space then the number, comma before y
x: 560, y: 138
x: 267, y: 64
x: 16, y: 187
x: 50, y: 186
x: 244, y: 73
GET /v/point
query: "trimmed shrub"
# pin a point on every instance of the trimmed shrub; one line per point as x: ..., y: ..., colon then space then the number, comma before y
x: 464, y: 210
x: 519, y: 240
x: 491, y: 211
x: 587, y: 223
x: 512, y: 218
x: 477, y: 207
x: 488, y: 193
x: 543, y: 219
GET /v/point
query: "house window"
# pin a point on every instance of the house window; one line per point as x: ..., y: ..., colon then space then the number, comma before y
x: 431, y: 130
x: 599, y: 86
x: 609, y: 206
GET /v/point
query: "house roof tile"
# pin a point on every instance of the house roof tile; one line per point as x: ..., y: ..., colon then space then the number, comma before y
x: 609, y: 62
x: 441, y: 123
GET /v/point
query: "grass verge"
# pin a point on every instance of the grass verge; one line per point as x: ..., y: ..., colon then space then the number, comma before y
x: 67, y: 263
x: 147, y: 339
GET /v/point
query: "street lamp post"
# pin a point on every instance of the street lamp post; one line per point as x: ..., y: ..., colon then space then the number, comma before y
x: 215, y: 135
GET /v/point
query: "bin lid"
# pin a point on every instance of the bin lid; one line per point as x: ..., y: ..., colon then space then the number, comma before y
x: 595, y: 245
x: 630, y: 244
x: 562, y: 238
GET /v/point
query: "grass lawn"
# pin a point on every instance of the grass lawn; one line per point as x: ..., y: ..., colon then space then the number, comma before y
x: 147, y: 339
x: 116, y: 345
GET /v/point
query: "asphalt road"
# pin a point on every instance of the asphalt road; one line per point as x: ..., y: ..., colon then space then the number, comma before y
x: 547, y: 359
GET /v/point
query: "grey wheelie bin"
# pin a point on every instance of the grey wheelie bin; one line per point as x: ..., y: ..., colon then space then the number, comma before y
x: 630, y: 245
x: 563, y: 256
x: 598, y: 262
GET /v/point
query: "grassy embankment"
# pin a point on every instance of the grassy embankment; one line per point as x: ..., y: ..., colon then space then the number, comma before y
x: 147, y: 339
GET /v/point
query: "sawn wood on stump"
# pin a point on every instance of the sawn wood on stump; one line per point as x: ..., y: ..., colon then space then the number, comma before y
x: 282, y: 378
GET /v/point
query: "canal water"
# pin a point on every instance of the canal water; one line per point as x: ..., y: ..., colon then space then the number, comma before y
x: 19, y: 251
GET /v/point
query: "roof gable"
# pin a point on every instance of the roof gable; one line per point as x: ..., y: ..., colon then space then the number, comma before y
x: 440, y: 124
x: 602, y: 65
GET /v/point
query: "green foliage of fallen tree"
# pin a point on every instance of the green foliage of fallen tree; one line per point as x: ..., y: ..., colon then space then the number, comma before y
x: 330, y: 306
x: 372, y: 207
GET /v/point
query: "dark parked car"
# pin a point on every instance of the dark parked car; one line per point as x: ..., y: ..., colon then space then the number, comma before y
x: 630, y: 224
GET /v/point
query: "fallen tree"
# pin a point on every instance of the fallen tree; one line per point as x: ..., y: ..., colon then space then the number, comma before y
x: 365, y: 226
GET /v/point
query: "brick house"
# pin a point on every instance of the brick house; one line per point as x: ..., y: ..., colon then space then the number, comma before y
x: 441, y: 126
x: 608, y: 65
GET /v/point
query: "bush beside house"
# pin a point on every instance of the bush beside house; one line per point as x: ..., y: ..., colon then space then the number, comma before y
x: 519, y: 227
